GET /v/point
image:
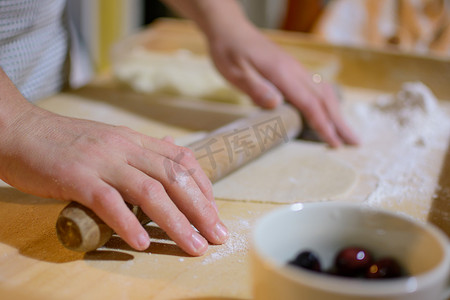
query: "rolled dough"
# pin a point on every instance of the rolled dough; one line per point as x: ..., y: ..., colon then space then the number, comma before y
x: 293, y: 172
x: 179, y: 73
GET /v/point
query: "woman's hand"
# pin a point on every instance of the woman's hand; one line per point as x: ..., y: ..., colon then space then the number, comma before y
x: 268, y: 75
x: 262, y: 70
x: 102, y: 166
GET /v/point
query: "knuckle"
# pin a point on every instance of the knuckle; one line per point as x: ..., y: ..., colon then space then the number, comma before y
x: 177, y: 223
x: 119, y: 136
x: 189, y: 154
x: 209, y: 189
x: 112, y: 137
x: 236, y: 72
x: 152, y: 189
x: 184, y: 155
x: 102, y: 198
x: 209, y: 215
x: 106, y: 200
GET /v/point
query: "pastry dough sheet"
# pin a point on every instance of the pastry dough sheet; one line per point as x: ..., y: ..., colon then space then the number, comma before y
x: 293, y: 172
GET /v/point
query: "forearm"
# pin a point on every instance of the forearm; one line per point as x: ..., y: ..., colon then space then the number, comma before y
x: 212, y: 16
x: 12, y: 105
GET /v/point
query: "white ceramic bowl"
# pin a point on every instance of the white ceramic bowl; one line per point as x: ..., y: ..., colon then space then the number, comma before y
x: 325, y: 228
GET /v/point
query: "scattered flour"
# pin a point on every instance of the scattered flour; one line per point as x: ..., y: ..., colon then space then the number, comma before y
x: 412, y: 114
x: 409, y: 106
x: 404, y: 135
x: 238, y: 242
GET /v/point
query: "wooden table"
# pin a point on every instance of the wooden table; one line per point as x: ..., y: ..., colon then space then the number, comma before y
x: 33, y: 265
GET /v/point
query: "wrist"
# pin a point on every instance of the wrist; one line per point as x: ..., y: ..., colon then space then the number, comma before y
x: 218, y: 23
x: 13, y: 107
x: 213, y: 17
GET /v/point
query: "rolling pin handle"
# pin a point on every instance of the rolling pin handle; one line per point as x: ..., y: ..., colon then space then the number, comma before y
x: 80, y: 229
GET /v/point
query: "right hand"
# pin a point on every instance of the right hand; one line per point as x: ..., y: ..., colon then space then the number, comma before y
x: 262, y: 70
x: 101, y: 166
x: 266, y: 73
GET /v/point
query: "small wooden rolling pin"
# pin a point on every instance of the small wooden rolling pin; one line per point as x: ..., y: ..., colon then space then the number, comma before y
x: 219, y: 153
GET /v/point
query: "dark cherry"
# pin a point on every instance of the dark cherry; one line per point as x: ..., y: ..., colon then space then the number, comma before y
x: 384, y: 268
x: 307, y: 260
x: 352, y: 261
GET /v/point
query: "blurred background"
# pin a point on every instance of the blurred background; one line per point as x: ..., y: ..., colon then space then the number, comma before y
x: 420, y: 27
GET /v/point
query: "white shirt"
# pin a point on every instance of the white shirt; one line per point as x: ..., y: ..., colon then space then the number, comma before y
x: 34, y: 45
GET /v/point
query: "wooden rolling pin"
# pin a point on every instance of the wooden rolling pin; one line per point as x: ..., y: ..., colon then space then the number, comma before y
x: 219, y: 153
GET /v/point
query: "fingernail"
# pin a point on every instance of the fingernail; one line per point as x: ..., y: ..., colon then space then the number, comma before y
x: 221, y: 232
x: 143, y: 241
x: 199, y: 243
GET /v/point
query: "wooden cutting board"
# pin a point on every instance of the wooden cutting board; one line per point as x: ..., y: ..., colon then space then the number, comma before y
x: 33, y: 265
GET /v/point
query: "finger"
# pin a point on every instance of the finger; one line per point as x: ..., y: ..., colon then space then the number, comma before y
x: 166, y: 214
x: 152, y: 197
x: 293, y: 83
x: 109, y: 205
x: 326, y: 95
x: 261, y: 90
x: 183, y: 190
x: 332, y: 105
x: 311, y: 107
x: 201, y: 212
x: 317, y: 118
x: 347, y: 134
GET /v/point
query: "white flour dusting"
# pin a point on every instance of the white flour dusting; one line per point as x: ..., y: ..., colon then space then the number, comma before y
x: 182, y: 178
x: 412, y: 113
x: 238, y: 242
x: 412, y: 109
x: 404, y: 136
